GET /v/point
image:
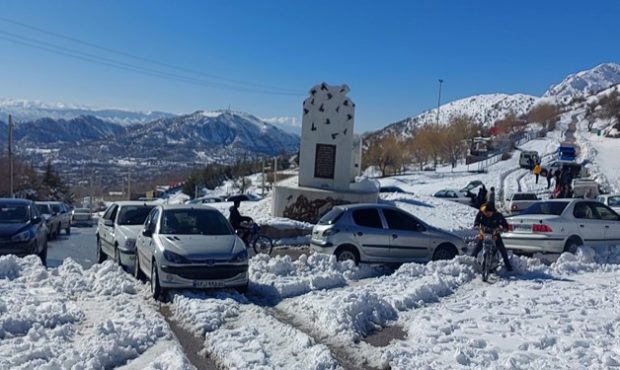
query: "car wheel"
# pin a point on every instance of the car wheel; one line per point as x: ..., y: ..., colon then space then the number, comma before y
x: 137, y: 273
x: 100, y: 255
x: 156, y: 290
x: 444, y: 252
x: 68, y: 230
x: 572, y: 244
x: 347, y: 254
x: 117, y: 256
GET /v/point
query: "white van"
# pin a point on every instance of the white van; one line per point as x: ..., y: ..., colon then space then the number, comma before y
x: 526, y: 155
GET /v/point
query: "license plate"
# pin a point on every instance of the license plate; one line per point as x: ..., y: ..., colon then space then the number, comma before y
x: 519, y: 227
x: 207, y: 284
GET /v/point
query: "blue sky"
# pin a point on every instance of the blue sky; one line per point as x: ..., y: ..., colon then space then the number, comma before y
x: 390, y: 53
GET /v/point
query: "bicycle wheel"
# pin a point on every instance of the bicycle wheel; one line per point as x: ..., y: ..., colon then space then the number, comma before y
x: 262, y: 244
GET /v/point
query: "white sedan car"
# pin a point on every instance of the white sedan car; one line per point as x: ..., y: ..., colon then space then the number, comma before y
x: 190, y: 246
x: 561, y: 225
x: 610, y: 200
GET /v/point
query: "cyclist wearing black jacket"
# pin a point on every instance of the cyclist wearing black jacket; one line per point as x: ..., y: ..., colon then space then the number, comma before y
x: 488, y: 217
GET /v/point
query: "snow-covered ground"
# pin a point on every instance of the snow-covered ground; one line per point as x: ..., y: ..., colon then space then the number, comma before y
x: 71, y: 318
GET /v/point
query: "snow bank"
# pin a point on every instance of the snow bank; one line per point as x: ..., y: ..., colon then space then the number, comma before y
x: 560, y: 316
x: 280, y: 277
x: 241, y: 335
x: 74, y: 318
x: 347, y: 315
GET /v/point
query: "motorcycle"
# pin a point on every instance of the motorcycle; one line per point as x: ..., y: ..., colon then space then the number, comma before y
x: 490, y: 254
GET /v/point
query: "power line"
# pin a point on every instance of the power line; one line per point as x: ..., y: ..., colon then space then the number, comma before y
x: 97, y: 59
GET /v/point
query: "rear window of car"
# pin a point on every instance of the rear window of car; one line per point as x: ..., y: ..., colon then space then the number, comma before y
x: 82, y: 210
x: 331, y: 217
x: 43, y: 208
x: 614, y: 201
x: 545, y: 208
x: 133, y: 215
x: 525, y: 196
x: 367, y: 218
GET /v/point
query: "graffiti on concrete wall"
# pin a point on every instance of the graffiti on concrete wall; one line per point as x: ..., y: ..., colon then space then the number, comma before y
x: 311, y: 211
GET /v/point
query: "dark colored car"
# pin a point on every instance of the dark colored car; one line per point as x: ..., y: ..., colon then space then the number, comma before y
x: 391, y: 189
x: 240, y: 197
x: 22, y: 229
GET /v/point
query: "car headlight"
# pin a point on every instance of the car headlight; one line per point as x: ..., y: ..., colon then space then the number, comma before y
x: 240, y: 257
x: 330, y: 232
x: 23, y: 236
x: 130, y: 244
x: 174, y: 257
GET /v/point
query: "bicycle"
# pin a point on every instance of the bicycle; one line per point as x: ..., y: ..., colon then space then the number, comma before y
x: 261, y: 243
x: 490, y: 255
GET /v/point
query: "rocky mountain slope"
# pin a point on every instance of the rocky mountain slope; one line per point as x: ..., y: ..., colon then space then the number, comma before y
x: 586, y: 82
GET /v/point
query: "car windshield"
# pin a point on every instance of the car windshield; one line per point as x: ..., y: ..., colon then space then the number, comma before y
x: 44, y: 208
x: 614, y: 201
x: 545, y: 208
x: 524, y: 196
x: 13, y: 214
x: 56, y: 208
x: 194, y: 222
x: 133, y: 215
x: 331, y: 217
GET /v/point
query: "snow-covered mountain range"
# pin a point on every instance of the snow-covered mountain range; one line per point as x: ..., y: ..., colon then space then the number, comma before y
x: 31, y: 110
x: 486, y: 109
x: 587, y: 82
x: 200, y: 137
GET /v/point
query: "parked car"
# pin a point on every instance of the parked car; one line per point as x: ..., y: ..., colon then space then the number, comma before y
x: 610, y: 200
x: 527, y: 157
x: 520, y: 201
x: 204, y: 200
x: 182, y: 246
x: 51, y: 218
x: 454, y: 195
x: 585, y: 188
x: 561, y: 225
x: 82, y: 216
x: 391, y: 189
x: 118, y: 229
x: 241, y: 198
x: 381, y: 233
x: 64, y: 214
x: 22, y: 229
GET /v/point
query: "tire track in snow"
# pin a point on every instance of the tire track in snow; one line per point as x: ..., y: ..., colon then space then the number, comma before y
x: 190, y: 343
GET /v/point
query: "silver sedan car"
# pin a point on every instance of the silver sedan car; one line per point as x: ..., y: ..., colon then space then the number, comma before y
x: 382, y: 233
x: 190, y: 246
x: 562, y: 225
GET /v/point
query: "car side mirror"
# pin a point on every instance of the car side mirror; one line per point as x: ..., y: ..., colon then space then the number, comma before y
x: 55, y: 214
x: 147, y: 233
x: 36, y: 220
x: 109, y: 223
x: 239, y: 233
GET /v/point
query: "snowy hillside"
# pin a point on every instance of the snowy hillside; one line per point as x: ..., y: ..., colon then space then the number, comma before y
x: 586, y: 82
x: 215, y: 131
x: 31, y: 110
x: 484, y: 109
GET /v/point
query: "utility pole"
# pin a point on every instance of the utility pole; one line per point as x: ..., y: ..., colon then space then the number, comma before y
x: 439, y: 100
x: 11, y: 193
x: 275, y: 171
x: 128, y: 185
x: 262, y: 192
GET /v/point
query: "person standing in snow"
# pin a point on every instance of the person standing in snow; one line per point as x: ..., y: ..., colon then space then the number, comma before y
x: 488, y: 217
x: 491, y: 195
x: 537, y: 170
x: 549, y: 177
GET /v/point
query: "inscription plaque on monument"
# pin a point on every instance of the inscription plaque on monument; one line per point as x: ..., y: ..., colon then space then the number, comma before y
x: 325, y: 161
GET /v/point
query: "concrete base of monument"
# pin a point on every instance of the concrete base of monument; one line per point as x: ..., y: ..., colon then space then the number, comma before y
x: 309, y: 204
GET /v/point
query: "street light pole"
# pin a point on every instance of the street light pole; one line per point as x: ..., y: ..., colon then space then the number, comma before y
x: 11, y: 194
x: 439, y: 100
